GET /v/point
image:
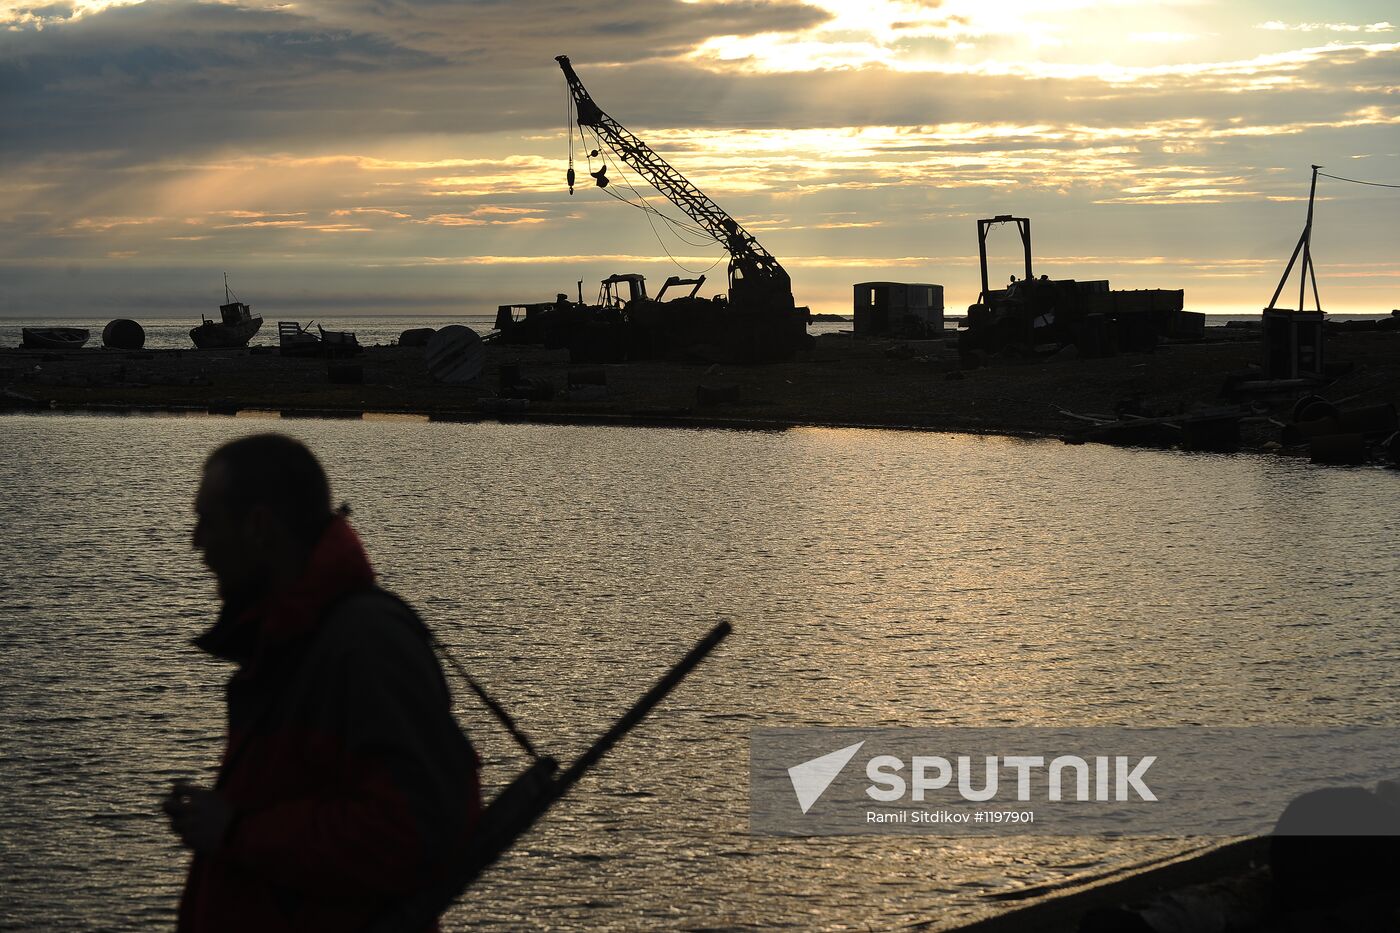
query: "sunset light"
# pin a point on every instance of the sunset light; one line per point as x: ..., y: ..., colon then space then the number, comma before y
x: 296, y: 137
x: 674, y: 465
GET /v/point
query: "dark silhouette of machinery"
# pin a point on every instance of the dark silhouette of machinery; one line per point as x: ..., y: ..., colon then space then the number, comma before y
x: 1035, y: 313
x: 611, y: 330
x: 759, y: 320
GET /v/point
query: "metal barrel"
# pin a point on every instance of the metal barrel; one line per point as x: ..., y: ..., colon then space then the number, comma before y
x: 123, y: 334
x: 455, y: 355
x: 416, y: 336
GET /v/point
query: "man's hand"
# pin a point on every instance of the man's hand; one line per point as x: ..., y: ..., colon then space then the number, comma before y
x: 199, y: 816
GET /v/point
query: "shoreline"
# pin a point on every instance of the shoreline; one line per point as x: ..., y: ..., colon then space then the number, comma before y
x: 840, y: 382
x: 691, y: 422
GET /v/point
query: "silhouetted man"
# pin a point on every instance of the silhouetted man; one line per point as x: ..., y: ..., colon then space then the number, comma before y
x: 345, y: 781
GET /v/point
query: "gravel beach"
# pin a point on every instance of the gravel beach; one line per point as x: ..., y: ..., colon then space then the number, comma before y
x: 839, y: 381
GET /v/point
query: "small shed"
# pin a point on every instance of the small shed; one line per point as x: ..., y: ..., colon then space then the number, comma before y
x: 1293, y: 343
x: 900, y: 309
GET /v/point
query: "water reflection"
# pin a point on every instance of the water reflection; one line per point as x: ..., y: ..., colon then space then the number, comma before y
x: 874, y: 578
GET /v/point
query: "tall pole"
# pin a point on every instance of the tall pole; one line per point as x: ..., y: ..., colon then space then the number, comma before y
x: 1304, y: 247
x: 1025, y: 226
x: 1307, y: 248
x: 982, y: 226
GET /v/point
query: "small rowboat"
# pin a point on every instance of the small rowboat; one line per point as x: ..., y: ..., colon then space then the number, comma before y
x: 54, y: 338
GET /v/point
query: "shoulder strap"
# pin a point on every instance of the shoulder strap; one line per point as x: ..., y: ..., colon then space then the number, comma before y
x: 486, y: 699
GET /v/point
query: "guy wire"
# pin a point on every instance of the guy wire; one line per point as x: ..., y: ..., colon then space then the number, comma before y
x: 1373, y: 184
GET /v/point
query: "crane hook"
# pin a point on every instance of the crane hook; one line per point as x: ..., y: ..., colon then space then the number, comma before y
x: 571, y: 179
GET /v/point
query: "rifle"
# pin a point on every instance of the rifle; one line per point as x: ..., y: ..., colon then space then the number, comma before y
x: 528, y: 797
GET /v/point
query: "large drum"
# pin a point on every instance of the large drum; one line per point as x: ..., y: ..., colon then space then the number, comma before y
x: 123, y: 334
x: 455, y: 355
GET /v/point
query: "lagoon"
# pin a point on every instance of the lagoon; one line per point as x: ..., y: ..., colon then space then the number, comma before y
x: 874, y: 578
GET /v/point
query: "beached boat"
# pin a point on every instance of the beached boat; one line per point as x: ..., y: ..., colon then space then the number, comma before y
x: 54, y: 338
x: 237, y: 327
x: 295, y: 340
x: 339, y: 342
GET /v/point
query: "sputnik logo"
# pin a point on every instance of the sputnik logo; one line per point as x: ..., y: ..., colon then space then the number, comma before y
x: 811, y: 778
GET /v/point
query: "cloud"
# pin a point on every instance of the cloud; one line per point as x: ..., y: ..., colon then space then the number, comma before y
x: 1277, y: 26
x: 1163, y: 37
x: 173, y: 77
x: 164, y: 78
x: 387, y: 135
x: 488, y: 215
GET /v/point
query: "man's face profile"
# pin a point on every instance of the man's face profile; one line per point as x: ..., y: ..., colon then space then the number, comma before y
x: 224, y: 535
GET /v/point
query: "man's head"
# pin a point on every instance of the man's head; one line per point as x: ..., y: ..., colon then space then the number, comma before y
x: 263, y: 503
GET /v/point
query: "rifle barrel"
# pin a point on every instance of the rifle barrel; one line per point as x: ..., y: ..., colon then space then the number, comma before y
x: 648, y: 701
x: 528, y: 797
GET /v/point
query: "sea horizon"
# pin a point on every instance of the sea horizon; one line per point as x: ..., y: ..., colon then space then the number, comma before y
x: 1217, y: 313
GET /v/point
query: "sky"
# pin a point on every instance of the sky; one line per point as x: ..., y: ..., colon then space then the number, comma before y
x: 354, y: 157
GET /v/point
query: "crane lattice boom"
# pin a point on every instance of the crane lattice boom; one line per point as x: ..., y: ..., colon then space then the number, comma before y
x: 756, y: 279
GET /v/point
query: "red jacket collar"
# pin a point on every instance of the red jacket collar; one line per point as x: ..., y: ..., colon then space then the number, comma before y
x: 338, y: 565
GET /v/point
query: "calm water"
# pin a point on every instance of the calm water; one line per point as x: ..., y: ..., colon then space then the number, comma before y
x: 874, y: 578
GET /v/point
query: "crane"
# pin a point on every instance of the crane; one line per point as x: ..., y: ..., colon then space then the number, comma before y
x: 757, y: 281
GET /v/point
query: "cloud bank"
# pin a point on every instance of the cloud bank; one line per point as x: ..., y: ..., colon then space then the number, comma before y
x: 412, y: 153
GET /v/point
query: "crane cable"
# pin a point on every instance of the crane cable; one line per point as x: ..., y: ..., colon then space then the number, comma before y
x: 679, y: 225
x: 569, y: 132
x: 648, y: 210
x: 583, y: 143
x: 678, y: 264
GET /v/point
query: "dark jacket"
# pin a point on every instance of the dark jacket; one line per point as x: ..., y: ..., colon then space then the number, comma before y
x: 350, y: 780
